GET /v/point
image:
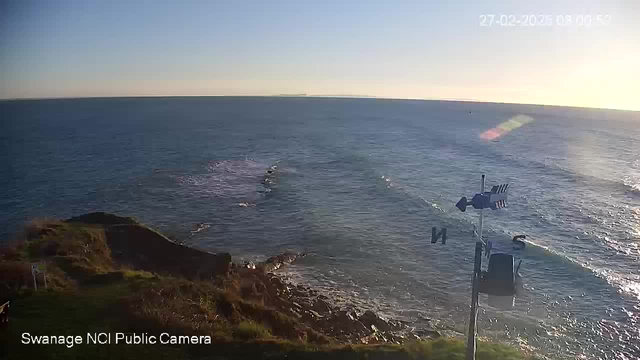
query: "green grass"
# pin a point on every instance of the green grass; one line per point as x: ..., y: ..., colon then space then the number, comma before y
x: 89, y: 292
x: 104, y: 309
x: 92, y: 310
x: 249, y: 330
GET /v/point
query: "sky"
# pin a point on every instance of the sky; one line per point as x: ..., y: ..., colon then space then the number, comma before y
x: 394, y: 49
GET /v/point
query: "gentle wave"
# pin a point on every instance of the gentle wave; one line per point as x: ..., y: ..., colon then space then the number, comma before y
x: 615, y: 280
x: 631, y: 185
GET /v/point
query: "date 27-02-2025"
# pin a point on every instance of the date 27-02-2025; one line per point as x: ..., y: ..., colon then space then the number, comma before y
x: 585, y: 20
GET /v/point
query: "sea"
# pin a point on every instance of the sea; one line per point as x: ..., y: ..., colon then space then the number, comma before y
x: 358, y: 185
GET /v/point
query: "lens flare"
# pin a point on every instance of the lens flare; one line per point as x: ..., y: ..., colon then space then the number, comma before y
x: 507, y: 126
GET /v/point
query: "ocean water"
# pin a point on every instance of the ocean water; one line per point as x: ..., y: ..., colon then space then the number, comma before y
x: 358, y: 184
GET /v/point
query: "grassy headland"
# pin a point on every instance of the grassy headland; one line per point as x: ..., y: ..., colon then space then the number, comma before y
x: 110, y: 274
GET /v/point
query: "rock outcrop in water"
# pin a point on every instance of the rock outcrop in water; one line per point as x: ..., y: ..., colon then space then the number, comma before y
x: 276, y: 262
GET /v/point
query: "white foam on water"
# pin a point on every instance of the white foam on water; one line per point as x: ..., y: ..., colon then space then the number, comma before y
x: 229, y: 178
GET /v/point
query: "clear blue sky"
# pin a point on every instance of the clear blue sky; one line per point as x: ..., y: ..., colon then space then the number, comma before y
x: 405, y: 49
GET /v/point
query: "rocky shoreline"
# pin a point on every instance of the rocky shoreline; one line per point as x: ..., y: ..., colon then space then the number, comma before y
x: 348, y: 324
x: 258, y: 282
x: 112, y: 274
x: 99, y: 249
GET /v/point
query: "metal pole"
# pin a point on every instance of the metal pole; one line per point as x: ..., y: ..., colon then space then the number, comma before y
x: 477, y: 266
x: 35, y: 283
x: 471, y: 339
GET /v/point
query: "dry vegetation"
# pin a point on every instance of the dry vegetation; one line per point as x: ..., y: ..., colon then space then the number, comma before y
x: 91, y: 289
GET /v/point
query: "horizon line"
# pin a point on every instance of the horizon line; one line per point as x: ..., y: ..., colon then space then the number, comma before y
x: 302, y: 95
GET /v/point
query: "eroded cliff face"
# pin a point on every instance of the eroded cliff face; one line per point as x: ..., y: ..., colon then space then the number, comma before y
x: 136, y: 245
